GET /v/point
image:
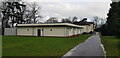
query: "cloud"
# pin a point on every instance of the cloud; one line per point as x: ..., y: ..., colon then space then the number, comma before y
x: 67, y: 0
x: 70, y: 8
x: 41, y: 0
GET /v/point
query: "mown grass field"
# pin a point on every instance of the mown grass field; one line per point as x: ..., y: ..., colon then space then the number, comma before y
x: 39, y: 46
x: 111, y: 45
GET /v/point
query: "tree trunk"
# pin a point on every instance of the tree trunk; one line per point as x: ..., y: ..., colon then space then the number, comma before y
x: 2, y: 28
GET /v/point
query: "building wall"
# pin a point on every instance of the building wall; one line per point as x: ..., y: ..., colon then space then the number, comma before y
x: 70, y: 31
x: 84, y: 28
x: 88, y: 28
x: 76, y: 31
x: 91, y: 27
x: 35, y: 31
x: 10, y: 31
x: 26, y: 31
x: 54, y: 31
x: 49, y: 31
x: 79, y: 31
x: 45, y: 31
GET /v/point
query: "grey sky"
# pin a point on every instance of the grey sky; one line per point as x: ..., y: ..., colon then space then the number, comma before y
x: 70, y: 8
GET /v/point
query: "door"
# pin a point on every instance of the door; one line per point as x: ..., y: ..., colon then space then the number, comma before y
x: 39, y: 32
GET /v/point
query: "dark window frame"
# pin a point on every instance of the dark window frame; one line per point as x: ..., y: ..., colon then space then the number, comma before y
x: 51, y: 30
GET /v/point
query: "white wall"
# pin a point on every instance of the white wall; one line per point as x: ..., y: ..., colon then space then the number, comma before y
x: 54, y: 31
x: 88, y: 28
x: 75, y: 31
x: 69, y: 31
x: 49, y: 31
x: 36, y: 31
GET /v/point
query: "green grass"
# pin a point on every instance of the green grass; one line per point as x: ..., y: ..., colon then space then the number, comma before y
x: 39, y: 46
x: 111, y: 45
x: 0, y: 45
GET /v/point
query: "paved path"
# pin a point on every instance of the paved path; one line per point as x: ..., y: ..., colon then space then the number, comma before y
x: 91, y: 47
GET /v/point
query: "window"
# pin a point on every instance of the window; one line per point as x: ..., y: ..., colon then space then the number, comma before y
x: 27, y: 29
x: 50, y: 29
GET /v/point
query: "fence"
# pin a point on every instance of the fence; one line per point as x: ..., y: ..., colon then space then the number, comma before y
x: 0, y: 31
x: 10, y: 31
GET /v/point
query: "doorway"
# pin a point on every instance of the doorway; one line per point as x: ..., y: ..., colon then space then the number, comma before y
x: 39, y: 32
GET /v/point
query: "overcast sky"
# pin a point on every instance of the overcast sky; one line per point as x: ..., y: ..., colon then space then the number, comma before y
x: 70, y: 8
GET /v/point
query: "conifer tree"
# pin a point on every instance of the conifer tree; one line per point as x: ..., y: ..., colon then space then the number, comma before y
x: 112, y: 27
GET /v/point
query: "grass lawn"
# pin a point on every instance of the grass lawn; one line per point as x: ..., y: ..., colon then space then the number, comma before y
x: 112, y: 45
x: 39, y: 46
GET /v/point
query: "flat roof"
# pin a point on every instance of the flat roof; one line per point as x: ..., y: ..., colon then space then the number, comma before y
x: 49, y: 25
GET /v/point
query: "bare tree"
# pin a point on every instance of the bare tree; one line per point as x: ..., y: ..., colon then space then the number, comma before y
x: 12, y: 13
x: 96, y: 21
x: 32, y: 13
x: 74, y: 19
x: 102, y: 21
x: 52, y: 20
x: 66, y: 20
